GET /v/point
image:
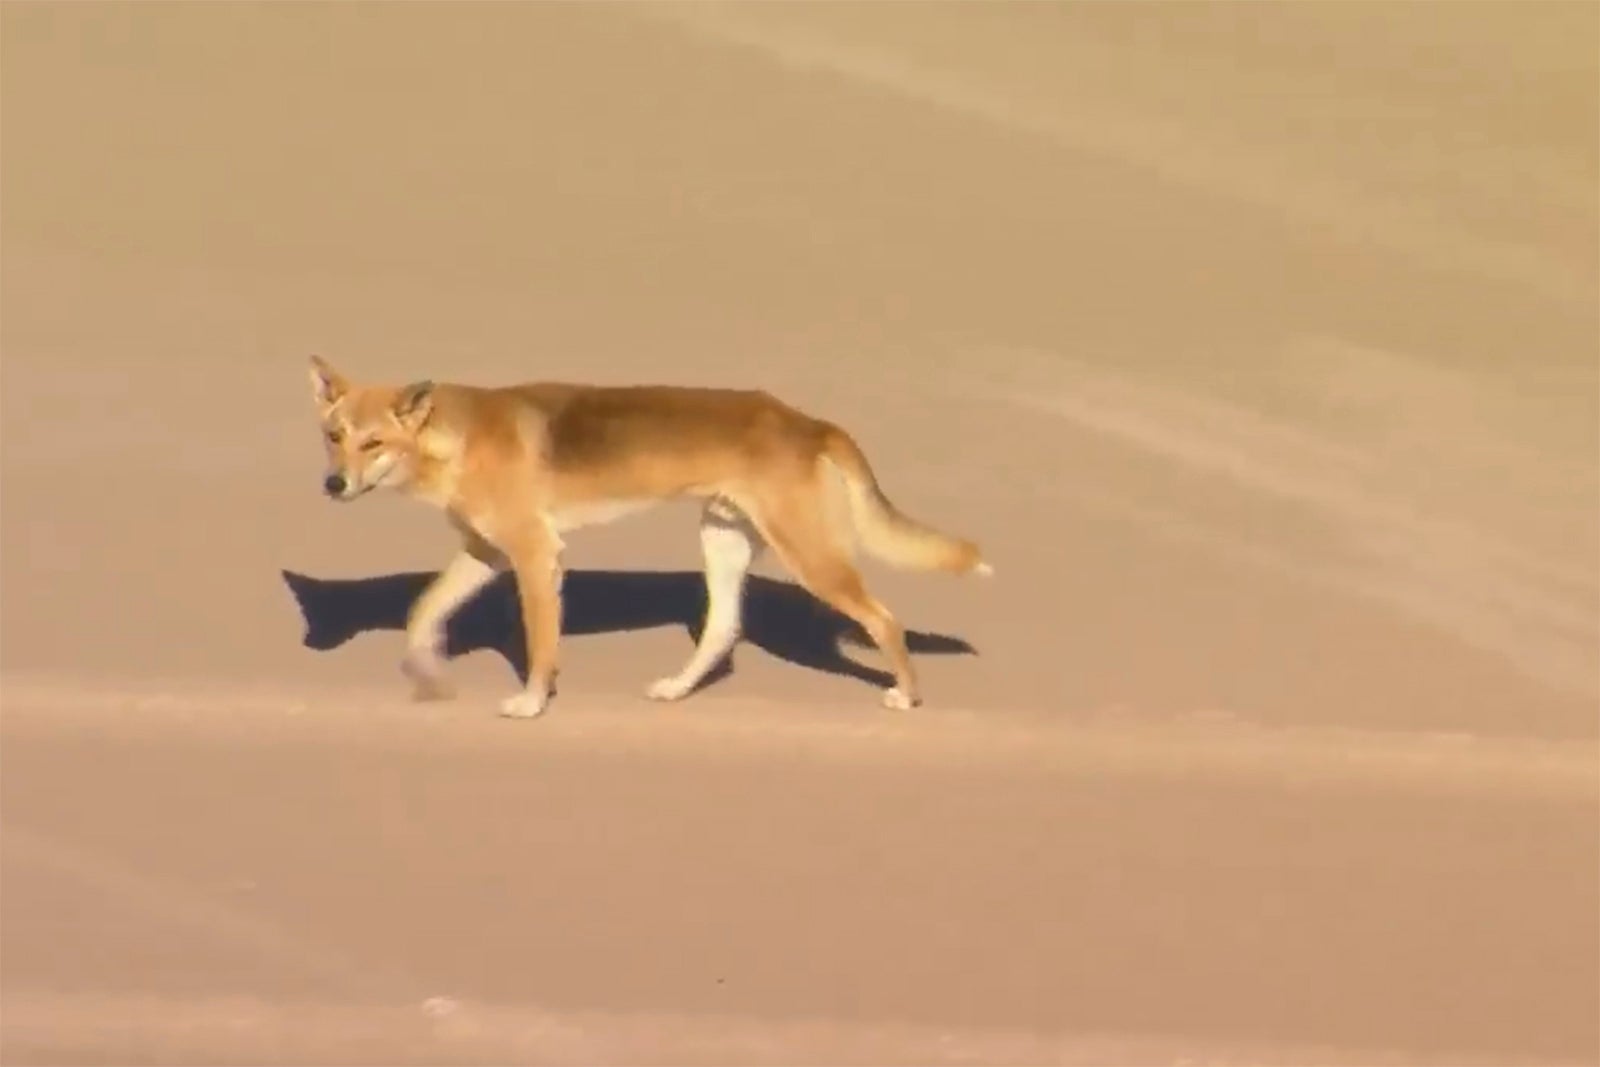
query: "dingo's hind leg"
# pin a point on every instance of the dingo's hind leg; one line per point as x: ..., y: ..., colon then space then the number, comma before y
x: 800, y: 529
x: 730, y: 544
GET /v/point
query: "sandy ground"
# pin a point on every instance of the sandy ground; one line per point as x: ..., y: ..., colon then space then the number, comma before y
x: 1257, y: 343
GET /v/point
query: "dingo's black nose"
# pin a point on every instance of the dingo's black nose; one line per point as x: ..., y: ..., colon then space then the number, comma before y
x: 334, y: 485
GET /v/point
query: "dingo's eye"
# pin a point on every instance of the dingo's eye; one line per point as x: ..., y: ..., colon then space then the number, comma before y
x: 334, y: 437
x: 371, y: 444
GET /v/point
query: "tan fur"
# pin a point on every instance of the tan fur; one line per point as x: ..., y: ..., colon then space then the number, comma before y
x: 517, y: 466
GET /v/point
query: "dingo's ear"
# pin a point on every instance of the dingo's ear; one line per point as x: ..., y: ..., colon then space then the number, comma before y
x: 414, y: 404
x: 327, y: 385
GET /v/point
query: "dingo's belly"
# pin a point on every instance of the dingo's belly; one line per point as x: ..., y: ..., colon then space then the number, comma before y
x: 596, y: 513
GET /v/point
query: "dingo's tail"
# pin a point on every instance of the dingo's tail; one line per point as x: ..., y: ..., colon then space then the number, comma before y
x: 885, y: 531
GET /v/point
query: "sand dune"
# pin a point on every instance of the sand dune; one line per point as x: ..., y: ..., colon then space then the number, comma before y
x: 1257, y: 345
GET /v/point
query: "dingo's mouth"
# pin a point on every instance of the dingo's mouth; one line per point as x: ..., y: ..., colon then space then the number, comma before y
x: 335, y: 487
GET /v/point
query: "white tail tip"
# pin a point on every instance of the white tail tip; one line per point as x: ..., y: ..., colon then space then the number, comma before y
x: 983, y: 570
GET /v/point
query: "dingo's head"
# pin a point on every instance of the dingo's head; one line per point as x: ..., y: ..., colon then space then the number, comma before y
x: 370, y: 432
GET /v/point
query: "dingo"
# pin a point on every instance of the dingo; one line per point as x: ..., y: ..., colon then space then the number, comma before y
x: 516, y: 467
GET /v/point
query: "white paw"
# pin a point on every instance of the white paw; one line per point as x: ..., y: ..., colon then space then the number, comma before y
x: 673, y: 688
x: 426, y: 671
x: 896, y: 700
x: 524, y: 705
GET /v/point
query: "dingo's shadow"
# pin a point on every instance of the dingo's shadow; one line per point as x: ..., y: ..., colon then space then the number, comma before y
x: 779, y: 617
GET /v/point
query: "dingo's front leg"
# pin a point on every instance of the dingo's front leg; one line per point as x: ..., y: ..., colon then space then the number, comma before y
x: 539, y: 588
x: 467, y: 573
